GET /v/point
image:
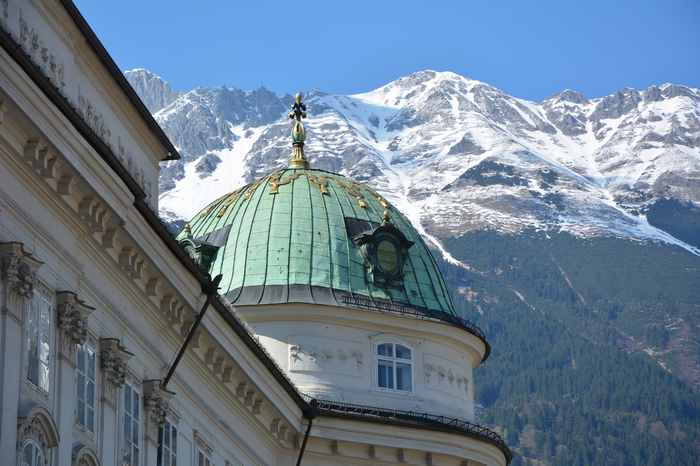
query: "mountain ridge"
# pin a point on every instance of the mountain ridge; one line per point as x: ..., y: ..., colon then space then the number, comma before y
x: 399, y: 132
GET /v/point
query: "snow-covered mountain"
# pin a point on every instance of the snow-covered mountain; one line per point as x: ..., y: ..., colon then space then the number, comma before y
x: 455, y: 154
x: 154, y: 92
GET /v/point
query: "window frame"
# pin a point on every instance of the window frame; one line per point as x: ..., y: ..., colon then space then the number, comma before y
x: 172, y: 448
x: 39, y: 453
x: 200, y: 450
x: 91, y: 345
x: 394, y: 360
x: 34, y: 330
x: 127, y: 444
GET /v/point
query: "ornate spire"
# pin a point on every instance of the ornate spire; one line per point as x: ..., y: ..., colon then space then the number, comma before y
x: 298, y: 112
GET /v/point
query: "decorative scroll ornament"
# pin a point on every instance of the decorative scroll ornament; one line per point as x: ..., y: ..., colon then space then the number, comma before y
x: 276, y: 180
x: 353, y: 190
x: 37, y: 425
x: 202, y: 253
x: 72, y: 319
x: 18, y: 268
x: 114, y: 358
x: 156, y: 400
x: 84, y: 456
x: 321, y: 182
x: 298, y: 112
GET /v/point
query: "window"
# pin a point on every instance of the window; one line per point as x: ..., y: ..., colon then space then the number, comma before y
x: 32, y: 455
x: 38, y: 343
x: 394, y: 367
x: 132, y: 425
x: 167, y: 444
x: 85, y: 382
x: 202, y: 458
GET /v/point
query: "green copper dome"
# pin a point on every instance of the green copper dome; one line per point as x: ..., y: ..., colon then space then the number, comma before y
x: 310, y: 236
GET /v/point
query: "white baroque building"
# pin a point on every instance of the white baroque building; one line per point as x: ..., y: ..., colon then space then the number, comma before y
x: 332, y: 339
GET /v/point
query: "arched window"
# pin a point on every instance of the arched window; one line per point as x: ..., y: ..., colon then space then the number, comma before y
x: 394, y: 367
x: 32, y: 454
x: 37, y: 437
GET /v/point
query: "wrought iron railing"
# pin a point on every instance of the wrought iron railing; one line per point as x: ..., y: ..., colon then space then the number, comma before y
x: 416, y: 419
x: 363, y: 302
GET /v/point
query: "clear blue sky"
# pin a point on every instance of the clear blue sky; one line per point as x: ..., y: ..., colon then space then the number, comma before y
x: 530, y: 49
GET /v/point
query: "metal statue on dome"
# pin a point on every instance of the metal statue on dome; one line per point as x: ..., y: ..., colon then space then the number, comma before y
x: 298, y: 112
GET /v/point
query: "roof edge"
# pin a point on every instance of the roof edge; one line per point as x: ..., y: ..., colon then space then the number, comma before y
x: 413, y: 419
x: 120, y: 79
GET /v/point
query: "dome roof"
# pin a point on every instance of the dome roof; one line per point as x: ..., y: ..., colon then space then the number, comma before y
x: 301, y: 235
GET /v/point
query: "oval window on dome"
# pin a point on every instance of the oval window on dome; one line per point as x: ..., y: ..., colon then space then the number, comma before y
x: 388, y: 256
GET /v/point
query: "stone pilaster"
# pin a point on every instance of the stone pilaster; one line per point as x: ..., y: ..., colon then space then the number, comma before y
x: 17, y: 277
x: 71, y: 317
x: 156, y: 402
x: 113, y: 362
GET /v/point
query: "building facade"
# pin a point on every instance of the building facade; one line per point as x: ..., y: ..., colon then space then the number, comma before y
x: 365, y: 364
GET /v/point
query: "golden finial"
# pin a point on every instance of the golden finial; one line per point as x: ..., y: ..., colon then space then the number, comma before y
x: 386, y: 218
x: 298, y: 112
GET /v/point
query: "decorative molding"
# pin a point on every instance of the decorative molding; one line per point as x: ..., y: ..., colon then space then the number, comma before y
x: 114, y: 358
x: 18, y: 273
x: 84, y: 456
x: 201, y: 443
x: 72, y: 316
x: 37, y: 425
x: 37, y: 50
x: 156, y: 400
x: 324, y: 356
x: 445, y: 378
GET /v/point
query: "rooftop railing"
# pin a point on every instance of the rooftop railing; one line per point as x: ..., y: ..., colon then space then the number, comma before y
x: 412, y: 418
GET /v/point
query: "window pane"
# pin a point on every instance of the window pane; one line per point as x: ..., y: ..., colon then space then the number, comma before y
x: 90, y: 393
x: 90, y: 420
x: 127, y: 399
x: 386, y: 349
x: 385, y: 376
x: 81, y: 412
x: 403, y: 352
x: 91, y: 363
x: 166, y: 435
x: 403, y: 376
x: 81, y: 386
x: 136, y: 406
x: 81, y: 358
x: 29, y: 454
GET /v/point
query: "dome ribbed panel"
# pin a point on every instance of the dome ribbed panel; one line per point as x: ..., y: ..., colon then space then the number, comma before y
x: 293, y: 245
